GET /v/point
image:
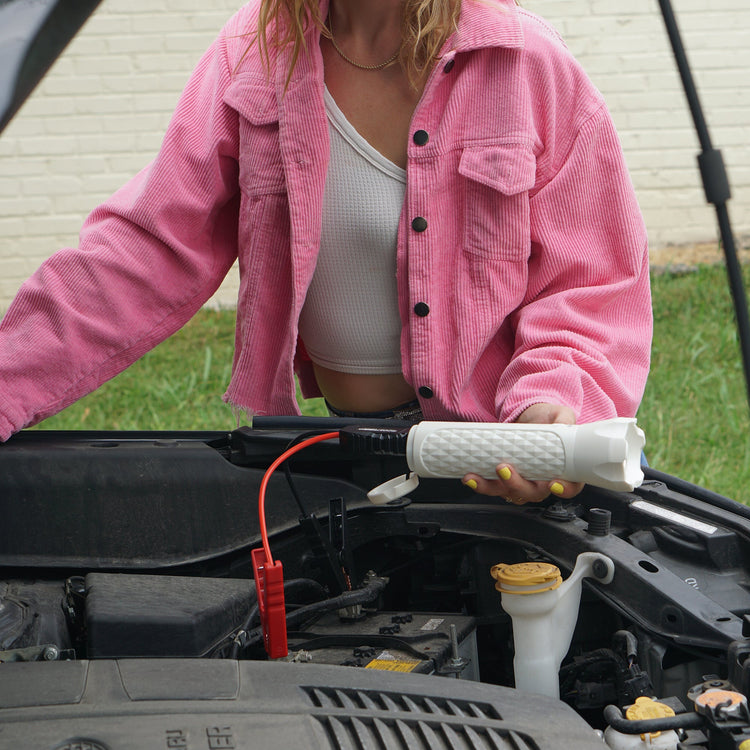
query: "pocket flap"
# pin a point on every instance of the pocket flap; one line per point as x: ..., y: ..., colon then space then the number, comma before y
x: 510, y: 169
x: 254, y: 99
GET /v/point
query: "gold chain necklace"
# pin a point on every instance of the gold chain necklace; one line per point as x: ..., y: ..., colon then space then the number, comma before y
x: 338, y: 49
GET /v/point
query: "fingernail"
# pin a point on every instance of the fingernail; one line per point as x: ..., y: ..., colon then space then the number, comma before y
x: 504, y: 473
x: 471, y: 484
x: 556, y: 488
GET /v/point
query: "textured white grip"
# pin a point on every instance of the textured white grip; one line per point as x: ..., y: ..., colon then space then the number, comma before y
x: 606, y: 454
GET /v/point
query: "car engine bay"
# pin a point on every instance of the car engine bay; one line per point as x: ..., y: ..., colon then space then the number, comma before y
x: 129, y: 614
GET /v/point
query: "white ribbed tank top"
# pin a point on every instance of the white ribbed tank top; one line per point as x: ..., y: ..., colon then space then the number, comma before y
x: 350, y: 320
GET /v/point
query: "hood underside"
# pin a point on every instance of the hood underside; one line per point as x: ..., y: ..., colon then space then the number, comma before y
x: 33, y: 33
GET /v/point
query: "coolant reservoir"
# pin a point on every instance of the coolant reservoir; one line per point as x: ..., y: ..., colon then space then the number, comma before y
x: 544, y: 610
x: 643, y: 708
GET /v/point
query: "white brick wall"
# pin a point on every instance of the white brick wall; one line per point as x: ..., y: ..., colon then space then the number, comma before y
x: 625, y: 49
x: 94, y: 121
x: 100, y: 114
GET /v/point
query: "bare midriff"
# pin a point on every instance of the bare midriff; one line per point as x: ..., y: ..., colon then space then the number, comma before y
x: 363, y: 393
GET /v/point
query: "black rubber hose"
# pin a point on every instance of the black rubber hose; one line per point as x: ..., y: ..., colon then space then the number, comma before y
x: 613, y: 716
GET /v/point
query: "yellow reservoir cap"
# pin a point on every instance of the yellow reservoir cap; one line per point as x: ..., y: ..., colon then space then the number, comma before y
x: 526, y: 578
x: 648, y: 708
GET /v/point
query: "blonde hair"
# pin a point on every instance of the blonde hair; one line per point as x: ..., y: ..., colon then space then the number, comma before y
x: 425, y: 25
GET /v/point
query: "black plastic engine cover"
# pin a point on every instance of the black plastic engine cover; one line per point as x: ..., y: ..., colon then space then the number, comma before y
x: 152, y: 703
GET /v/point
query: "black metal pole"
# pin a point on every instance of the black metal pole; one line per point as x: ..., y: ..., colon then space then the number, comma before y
x: 716, y: 187
x: 48, y: 26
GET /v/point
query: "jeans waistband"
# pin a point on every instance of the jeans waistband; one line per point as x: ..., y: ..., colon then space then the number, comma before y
x: 410, y: 411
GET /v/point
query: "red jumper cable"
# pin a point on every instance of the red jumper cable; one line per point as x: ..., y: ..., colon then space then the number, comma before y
x: 269, y: 573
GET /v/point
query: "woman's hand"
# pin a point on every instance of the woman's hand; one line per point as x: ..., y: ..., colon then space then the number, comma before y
x: 510, y: 485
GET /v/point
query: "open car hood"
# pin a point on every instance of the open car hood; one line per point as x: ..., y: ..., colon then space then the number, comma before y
x: 33, y: 33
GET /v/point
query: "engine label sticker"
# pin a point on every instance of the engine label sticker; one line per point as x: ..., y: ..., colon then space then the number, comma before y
x: 433, y: 623
x: 387, y: 662
x: 670, y: 515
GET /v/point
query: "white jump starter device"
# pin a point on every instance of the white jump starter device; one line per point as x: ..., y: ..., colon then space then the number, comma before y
x: 605, y: 454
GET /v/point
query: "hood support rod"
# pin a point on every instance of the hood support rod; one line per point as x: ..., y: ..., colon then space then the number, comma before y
x: 716, y: 187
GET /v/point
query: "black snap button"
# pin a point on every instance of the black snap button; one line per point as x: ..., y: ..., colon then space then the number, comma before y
x: 419, y: 224
x: 449, y: 66
x: 421, y: 137
x: 426, y: 392
x: 422, y: 309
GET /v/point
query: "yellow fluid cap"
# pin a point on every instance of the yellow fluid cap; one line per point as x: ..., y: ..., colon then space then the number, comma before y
x: 526, y: 578
x: 648, y: 708
x: 744, y: 745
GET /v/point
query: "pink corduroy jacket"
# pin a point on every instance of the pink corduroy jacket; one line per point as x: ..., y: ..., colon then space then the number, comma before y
x: 520, y: 233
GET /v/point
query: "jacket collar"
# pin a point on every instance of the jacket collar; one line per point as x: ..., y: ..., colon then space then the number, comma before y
x: 487, y: 23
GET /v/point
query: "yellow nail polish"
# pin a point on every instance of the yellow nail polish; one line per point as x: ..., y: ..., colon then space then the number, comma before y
x: 471, y: 484
x: 504, y: 473
x: 556, y: 488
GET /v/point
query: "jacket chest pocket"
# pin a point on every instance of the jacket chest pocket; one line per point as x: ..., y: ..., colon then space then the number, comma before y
x: 261, y: 167
x: 496, y: 200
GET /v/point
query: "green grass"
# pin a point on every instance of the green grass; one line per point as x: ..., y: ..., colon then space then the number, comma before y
x: 694, y: 413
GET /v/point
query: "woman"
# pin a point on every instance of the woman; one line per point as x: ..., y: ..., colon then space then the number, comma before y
x: 431, y: 214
